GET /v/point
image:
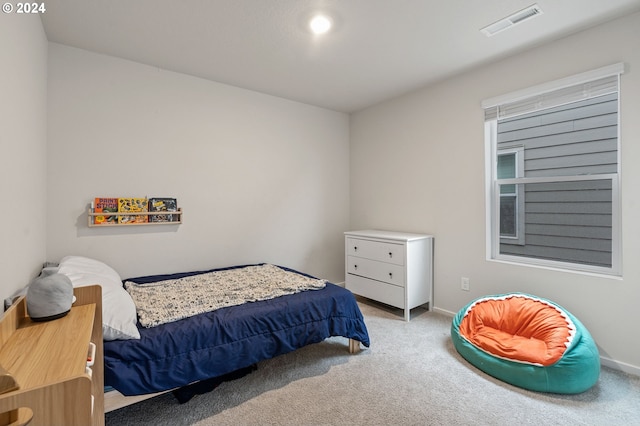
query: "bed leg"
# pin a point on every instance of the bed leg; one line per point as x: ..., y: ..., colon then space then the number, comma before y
x: 354, y: 346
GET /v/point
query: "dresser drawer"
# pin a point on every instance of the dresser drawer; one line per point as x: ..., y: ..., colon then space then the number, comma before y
x: 376, y: 290
x: 380, y: 271
x: 376, y: 250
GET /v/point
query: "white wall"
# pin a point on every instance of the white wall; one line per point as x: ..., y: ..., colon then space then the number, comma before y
x: 23, y: 100
x: 417, y: 164
x: 260, y: 178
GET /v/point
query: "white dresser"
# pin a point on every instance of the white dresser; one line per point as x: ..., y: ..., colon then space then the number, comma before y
x: 390, y: 267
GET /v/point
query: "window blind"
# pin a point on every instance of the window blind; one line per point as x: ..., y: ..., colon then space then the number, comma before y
x: 571, y: 89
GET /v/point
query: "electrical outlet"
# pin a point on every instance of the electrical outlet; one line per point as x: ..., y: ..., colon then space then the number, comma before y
x: 464, y: 283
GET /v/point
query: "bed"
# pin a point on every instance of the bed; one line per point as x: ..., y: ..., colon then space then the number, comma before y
x: 145, y: 361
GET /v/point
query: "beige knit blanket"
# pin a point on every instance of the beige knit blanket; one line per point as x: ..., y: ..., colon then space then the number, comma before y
x: 171, y: 300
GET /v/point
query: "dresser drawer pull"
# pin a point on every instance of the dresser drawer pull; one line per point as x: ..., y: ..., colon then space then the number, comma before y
x: 355, y: 267
x: 390, y: 274
x: 355, y: 248
x: 390, y: 254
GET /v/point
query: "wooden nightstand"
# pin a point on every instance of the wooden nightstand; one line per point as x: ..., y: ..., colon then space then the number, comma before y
x: 49, y: 362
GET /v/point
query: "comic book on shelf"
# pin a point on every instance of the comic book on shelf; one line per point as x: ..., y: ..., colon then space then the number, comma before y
x: 162, y: 204
x: 105, y: 205
x: 132, y: 205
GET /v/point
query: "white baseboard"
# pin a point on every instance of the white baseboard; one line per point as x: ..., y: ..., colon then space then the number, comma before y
x: 620, y: 366
x: 444, y: 312
x: 604, y: 361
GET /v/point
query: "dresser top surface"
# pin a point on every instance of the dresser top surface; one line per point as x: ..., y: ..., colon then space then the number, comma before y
x: 387, y: 235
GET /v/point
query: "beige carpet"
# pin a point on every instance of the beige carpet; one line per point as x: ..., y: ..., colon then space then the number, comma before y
x: 411, y: 375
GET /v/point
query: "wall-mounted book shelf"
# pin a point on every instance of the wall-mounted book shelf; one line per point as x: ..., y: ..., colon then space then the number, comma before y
x: 128, y: 211
x: 173, y: 218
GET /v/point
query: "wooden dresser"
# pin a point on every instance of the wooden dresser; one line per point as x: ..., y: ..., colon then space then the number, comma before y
x: 48, y: 360
x: 390, y: 267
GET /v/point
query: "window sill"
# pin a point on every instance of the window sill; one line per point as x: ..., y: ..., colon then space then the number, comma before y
x: 612, y: 275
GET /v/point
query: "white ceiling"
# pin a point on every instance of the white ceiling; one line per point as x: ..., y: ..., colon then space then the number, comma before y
x: 378, y: 49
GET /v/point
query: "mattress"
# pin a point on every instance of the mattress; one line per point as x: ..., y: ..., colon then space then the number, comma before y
x: 216, y: 343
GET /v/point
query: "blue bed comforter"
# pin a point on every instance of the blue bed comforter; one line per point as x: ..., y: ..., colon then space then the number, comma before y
x: 219, y: 342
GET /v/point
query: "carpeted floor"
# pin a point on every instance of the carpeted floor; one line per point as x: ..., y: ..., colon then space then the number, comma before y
x: 411, y: 375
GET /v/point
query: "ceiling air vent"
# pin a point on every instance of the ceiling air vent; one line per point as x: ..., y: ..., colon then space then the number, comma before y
x: 508, y: 22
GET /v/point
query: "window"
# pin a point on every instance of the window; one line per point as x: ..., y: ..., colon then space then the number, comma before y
x: 510, y: 165
x: 553, y: 174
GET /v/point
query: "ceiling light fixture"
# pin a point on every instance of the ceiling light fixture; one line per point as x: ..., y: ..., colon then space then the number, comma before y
x: 320, y: 24
x: 508, y: 22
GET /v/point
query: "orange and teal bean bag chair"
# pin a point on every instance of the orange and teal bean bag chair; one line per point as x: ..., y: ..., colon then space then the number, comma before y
x: 527, y: 341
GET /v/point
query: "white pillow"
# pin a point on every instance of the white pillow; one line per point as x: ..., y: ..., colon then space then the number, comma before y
x: 118, y: 310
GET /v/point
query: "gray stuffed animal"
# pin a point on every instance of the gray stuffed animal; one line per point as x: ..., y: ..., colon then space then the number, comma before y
x: 49, y: 296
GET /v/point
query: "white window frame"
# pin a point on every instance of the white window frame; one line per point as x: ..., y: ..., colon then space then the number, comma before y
x: 518, y: 151
x: 492, y: 190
